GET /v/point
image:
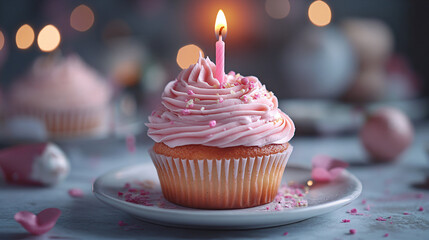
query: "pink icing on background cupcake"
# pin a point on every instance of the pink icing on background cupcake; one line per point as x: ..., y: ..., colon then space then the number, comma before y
x: 60, y: 84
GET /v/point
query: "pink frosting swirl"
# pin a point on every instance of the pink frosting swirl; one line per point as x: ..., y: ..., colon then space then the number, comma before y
x: 195, y: 110
x: 60, y: 84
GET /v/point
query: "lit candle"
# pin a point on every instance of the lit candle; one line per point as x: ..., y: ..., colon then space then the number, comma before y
x: 220, y: 31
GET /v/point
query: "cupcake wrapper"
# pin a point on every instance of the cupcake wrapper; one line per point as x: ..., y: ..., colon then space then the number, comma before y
x: 64, y: 123
x: 221, y: 183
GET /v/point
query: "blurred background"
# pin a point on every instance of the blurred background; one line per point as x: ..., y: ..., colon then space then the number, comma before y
x: 328, y: 62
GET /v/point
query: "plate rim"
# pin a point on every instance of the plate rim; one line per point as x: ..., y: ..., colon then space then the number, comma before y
x: 96, y: 187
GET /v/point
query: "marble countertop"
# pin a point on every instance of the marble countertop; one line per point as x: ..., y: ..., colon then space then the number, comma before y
x: 389, y: 189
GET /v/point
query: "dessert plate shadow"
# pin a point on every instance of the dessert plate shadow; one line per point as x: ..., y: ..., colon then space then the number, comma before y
x: 322, y: 198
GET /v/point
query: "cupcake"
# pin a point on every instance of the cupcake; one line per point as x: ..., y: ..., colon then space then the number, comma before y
x: 219, y: 147
x: 65, y: 96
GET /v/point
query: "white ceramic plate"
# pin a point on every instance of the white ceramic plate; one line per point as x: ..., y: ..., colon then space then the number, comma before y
x: 322, y: 198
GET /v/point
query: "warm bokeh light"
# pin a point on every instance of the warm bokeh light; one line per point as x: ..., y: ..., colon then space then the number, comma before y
x: 1, y: 40
x: 310, y: 183
x: 188, y: 55
x: 277, y: 9
x: 24, y: 36
x: 82, y: 18
x: 319, y: 13
x: 221, y: 22
x: 49, y: 38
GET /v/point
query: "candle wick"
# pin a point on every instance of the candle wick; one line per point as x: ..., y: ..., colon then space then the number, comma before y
x: 220, y: 30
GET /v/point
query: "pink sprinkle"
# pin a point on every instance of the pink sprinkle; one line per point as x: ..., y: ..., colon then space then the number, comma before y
x: 231, y: 73
x: 285, y: 233
x: 421, y: 209
x: 127, y: 185
x: 363, y: 201
x: 367, y: 208
x: 220, y: 100
x: 353, y: 210
x: 212, y: 123
x: 405, y: 213
x: 120, y: 194
x: 153, y: 113
x: 386, y: 235
x: 76, y: 192
x: 122, y: 223
x: 352, y: 231
x: 345, y: 220
x: 268, y: 208
x: 186, y: 112
x: 278, y: 207
x: 190, y: 92
x: 381, y: 219
x: 245, y: 81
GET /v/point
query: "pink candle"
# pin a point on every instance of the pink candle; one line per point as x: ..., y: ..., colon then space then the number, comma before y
x: 220, y: 60
x: 220, y: 31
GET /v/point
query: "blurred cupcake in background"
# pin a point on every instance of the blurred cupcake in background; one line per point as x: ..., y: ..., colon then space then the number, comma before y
x: 64, y: 96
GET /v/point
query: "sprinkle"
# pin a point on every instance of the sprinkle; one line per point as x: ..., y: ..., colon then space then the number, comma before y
x: 363, y: 201
x: 285, y: 233
x: 268, y: 208
x: 421, y: 209
x: 352, y: 231
x: 245, y: 98
x: 220, y: 100
x: 381, y: 219
x: 216, y: 86
x: 232, y: 91
x: 353, y: 210
x: 186, y: 112
x: 122, y: 223
x: 386, y: 235
x: 231, y: 73
x: 345, y: 220
x: 153, y: 113
x: 76, y: 193
x: 196, y: 100
x: 190, y: 103
x: 278, y: 207
x: 190, y: 92
x: 406, y: 213
x: 120, y: 194
x: 245, y: 80
x: 202, y: 108
x: 212, y: 123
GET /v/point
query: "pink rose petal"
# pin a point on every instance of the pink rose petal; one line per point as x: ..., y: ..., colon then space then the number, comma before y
x: 352, y: 231
x: 40, y: 223
x: 76, y: 192
x: 421, y: 209
x: 326, y: 169
x: 285, y: 233
x: 386, y: 235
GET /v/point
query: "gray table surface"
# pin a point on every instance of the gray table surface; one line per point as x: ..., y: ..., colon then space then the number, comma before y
x: 389, y: 189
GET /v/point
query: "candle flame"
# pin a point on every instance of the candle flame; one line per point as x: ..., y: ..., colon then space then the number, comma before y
x: 220, y: 25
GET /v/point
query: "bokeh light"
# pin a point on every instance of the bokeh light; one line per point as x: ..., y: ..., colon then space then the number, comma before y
x: 1, y: 40
x: 277, y: 9
x: 319, y: 13
x: 310, y: 183
x: 188, y: 55
x: 82, y: 18
x: 24, y: 36
x: 49, y: 38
